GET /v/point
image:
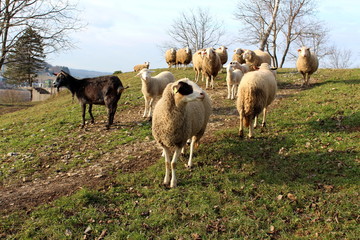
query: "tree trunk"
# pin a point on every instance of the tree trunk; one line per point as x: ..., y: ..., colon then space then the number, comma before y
x: 267, y: 33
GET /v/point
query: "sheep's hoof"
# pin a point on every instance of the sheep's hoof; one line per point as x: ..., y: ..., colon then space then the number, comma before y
x: 107, y: 127
x: 241, y: 134
x: 188, y: 167
x: 251, y: 137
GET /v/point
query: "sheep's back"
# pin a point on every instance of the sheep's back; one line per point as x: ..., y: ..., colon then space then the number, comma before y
x: 264, y: 57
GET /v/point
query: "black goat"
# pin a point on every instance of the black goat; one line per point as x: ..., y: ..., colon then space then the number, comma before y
x: 105, y: 90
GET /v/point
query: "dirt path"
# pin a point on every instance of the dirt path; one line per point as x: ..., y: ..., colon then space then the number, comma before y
x: 99, y: 174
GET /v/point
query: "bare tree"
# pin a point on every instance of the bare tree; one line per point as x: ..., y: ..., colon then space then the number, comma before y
x: 294, y: 19
x: 196, y: 30
x: 339, y: 58
x: 52, y: 19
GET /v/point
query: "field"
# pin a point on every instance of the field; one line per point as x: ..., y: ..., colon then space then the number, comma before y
x: 298, y: 179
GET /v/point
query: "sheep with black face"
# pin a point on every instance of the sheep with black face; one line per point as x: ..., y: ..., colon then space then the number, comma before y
x: 105, y: 90
x: 181, y: 114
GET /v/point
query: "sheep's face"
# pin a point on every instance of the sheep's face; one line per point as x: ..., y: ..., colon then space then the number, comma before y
x: 144, y: 74
x: 186, y: 90
x: 247, y: 54
x: 304, y: 51
x: 239, y: 51
x: 209, y: 52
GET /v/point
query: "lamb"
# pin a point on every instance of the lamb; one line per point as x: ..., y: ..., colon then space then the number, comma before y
x: 211, y: 66
x: 243, y: 67
x: 255, y: 58
x: 183, y: 56
x: 105, y: 90
x: 138, y: 67
x: 197, y: 60
x: 170, y: 57
x: 221, y: 51
x: 153, y: 87
x: 233, y: 78
x: 307, y: 63
x: 177, y: 118
x: 238, y: 55
x: 256, y: 92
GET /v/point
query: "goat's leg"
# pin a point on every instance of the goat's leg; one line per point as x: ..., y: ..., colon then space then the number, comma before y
x: 173, y: 182
x: 166, y: 153
x: 91, y: 115
x: 83, y: 109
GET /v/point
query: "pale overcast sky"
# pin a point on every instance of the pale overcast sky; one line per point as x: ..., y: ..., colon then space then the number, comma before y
x: 121, y: 34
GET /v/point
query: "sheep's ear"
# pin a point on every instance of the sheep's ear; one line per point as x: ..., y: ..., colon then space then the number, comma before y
x: 299, y: 50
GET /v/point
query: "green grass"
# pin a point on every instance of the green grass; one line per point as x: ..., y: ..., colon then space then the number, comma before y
x: 299, y: 179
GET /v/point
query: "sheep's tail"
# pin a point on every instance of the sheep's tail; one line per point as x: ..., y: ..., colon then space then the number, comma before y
x: 253, y: 105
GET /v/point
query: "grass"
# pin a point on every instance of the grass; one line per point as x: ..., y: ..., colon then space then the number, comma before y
x: 299, y: 179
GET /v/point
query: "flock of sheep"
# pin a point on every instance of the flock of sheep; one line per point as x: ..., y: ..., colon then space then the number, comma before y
x: 183, y: 110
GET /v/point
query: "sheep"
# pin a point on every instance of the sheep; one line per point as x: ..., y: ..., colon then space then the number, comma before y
x: 255, y: 58
x: 307, y: 63
x: 177, y: 118
x: 243, y: 67
x: 197, y: 60
x: 153, y: 87
x: 233, y: 78
x: 183, y: 56
x: 170, y: 57
x: 105, y: 90
x: 238, y: 55
x: 222, y: 54
x: 138, y: 67
x: 211, y: 66
x: 256, y: 92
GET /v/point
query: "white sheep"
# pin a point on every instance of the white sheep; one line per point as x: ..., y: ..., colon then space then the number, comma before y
x: 211, y: 66
x: 256, y: 92
x: 183, y: 56
x: 153, y: 87
x: 141, y: 66
x: 233, y: 78
x: 255, y: 58
x: 243, y: 67
x: 307, y: 63
x: 237, y: 56
x: 197, y: 60
x: 170, y: 57
x: 181, y: 113
x: 222, y: 52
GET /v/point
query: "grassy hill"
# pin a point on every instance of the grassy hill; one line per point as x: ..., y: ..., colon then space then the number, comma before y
x: 298, y: 179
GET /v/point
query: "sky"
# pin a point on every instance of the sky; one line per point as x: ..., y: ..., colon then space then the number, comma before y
x: 121, y: 34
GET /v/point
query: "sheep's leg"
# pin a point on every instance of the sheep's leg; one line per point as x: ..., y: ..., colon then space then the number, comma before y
x: 251, y: 128
x: 150, y: 107
x: 91, y: 115
x: 207, y: 82
x: 83, y: 108
x: 146, y: 106
x: 193, y: 140
x: 263, y: 124
x: 196, y: 75
x: 307, y: 78
x: 166, y: 153
x: 233, y: 91
x: 173, y: 182
x: 229, y: 91
x: 241, y: 127
x: 212, y: 82
x: 255, y: 121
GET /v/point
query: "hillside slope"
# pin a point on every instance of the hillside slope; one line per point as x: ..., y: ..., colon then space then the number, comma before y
x: 289, y: 182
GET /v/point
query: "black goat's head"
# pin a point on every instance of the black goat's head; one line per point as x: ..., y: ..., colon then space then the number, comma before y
x: 62, y: 79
